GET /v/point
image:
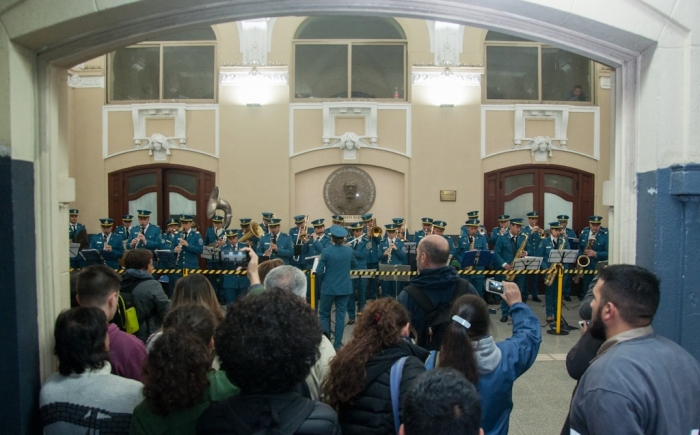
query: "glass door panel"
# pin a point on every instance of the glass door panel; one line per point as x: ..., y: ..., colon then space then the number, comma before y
x: 554, y: 205
x: 519, y: 206
x: 148, y: 201
x: 180, y: 205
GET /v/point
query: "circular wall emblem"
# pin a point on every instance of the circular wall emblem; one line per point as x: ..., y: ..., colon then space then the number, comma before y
x: 349, y: 191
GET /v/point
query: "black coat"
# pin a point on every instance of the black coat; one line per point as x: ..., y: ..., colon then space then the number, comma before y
x: 370, y: 412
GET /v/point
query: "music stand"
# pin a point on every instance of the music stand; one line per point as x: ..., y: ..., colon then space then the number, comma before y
x: 165, y: 259
x: 74, y: 249
x: 211, y: 253
x: 563, y: 256
x: 527, y: 263
x: 477, y: 258
x: 92, y: 257
x: 573, y: 243
x: 395, y: 277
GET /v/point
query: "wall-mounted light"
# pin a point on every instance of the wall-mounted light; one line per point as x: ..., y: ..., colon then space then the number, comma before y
x: 446, y: 106
x: 253, y: 105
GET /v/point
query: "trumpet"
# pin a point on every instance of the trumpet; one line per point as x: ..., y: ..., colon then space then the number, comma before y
x: 377, y: 231
x: 540, y: 231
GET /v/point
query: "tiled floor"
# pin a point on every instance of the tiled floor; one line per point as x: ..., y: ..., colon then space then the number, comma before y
x: 541, y: 396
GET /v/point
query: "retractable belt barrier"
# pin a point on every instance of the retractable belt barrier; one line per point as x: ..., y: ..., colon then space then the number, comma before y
x: 369, y: 272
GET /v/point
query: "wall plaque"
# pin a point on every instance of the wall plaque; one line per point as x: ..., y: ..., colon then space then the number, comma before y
x: 349, y: 191
x: 448, y: 195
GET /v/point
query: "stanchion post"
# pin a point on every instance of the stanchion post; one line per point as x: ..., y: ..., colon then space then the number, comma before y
x: 560, y: 281
x: 313, y: 290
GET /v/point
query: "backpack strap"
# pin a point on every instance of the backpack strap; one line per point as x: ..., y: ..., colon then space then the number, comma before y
x: 421, y: 299
x: 395, y: 386
x: 430, y: 362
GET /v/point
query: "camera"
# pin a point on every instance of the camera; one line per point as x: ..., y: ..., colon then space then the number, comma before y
x: 496, y: 287
x: 235, y: 258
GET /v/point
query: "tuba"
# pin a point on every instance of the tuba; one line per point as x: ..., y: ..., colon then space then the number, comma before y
x: 215, y: 203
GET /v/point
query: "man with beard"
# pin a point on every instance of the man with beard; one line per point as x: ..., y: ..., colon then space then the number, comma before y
x: 640, y: 382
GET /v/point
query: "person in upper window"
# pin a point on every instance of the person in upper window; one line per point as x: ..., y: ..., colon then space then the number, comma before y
x: 576, y: 94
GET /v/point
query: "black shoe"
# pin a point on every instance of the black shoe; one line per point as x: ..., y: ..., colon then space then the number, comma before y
x: 536, y: 299
x: 351, y: 322
x: 567, y: 298
x: 504, y: 319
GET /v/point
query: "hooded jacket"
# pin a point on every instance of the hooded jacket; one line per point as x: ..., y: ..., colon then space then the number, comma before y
x: 150, y: 301
x: 370, y: 412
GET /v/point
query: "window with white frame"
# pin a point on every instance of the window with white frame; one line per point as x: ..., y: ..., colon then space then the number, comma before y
x: 349, y: 57
x: 179, y: 66
x: 522, y: 70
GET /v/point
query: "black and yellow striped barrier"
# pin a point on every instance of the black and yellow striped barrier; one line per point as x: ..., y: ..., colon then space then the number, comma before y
x: 367, y: 272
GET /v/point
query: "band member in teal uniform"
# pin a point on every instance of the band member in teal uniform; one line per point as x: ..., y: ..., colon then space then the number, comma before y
x: 299, y: 261
x: 266, y: 221
x: 392, y: 251
x: 108, y: 244
x: 146, y: 235
x: 361, y: 247
x: 235, y: 286
x: 167, y: 239
x: 426, y: 230
x: 246, y: 227
x: 532, y: 231
x: 556, y: 240
x: 77, y: 234
x: 335, y: 264
x: 439, y: 229
x: 401, y: 228
x: 474, y: 241
x: 336, y: 219
x: 313, y: 247
x: 465, y: 229
x: 504, y: 253
x: 188, y: 245
x: 598, y: 250
x: 124, y: 230
x: 275, y: 244
x: 215, y: 237
x: 570, y: 237
x: 373, y: 255
x: 501, y: 230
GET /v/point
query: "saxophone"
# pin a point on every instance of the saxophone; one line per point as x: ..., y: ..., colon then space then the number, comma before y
x: 583, y: 261
x: 554, y: 268
x: 511, y: 275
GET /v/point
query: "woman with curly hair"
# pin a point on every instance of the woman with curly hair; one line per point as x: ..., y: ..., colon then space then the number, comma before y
x: 497, y: 365
x: 192, y: 289
x: 267, y: 344
x: 179, y: 381
x: 358, y: 383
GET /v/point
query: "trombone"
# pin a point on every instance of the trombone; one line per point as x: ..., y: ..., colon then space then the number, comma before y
x: 302, y: 236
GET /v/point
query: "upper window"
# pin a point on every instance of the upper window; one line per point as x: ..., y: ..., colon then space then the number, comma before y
x: 349, y: 57
x: 179, y: 66
x: 522, y: 70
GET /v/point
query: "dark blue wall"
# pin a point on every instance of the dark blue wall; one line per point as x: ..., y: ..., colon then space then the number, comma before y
x: 668, y: 242
x: 19, y: 330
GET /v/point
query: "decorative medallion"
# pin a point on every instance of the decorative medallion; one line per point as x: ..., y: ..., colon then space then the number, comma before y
x: 349, y: 191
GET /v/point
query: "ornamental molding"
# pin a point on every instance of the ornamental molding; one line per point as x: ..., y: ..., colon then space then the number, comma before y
x: 255, y: 39
x: 446, y: 42
x: 86, y: 81
x: 240, y: 75
x: 350, y: 142
x: 429, y: 75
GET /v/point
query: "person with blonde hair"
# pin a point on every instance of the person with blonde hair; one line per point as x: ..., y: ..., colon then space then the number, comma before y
x: 358, y: 385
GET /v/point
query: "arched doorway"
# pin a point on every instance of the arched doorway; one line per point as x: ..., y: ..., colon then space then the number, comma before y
x: 165, y: 190
x: 550, y: 190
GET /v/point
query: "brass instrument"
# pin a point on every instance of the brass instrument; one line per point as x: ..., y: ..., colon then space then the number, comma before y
x: 215, y: 203
x: 582, y: 261
x: 553, y: 270
x: 471, y: 248
x: 302, y: 235
x: 141, y: 231
x: 377, y: 231
x: 511, y: 276
x: 255, y: 231
x: 541, y: 232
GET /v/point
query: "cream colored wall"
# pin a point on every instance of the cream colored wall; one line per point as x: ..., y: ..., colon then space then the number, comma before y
x: 256, y: 174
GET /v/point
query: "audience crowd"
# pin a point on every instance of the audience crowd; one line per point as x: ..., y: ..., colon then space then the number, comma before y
x: 265, y: 365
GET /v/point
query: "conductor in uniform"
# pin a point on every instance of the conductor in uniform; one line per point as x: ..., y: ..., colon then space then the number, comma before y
x: 275, y: 244
x: 235, y: 286
x: 504, y: 253
x: 335, y: 264
x: 108, y: 244
x: 147, y: 235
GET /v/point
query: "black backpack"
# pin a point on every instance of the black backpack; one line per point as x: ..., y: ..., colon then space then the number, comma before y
x: 270, y: 422
x: 437, y: 318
